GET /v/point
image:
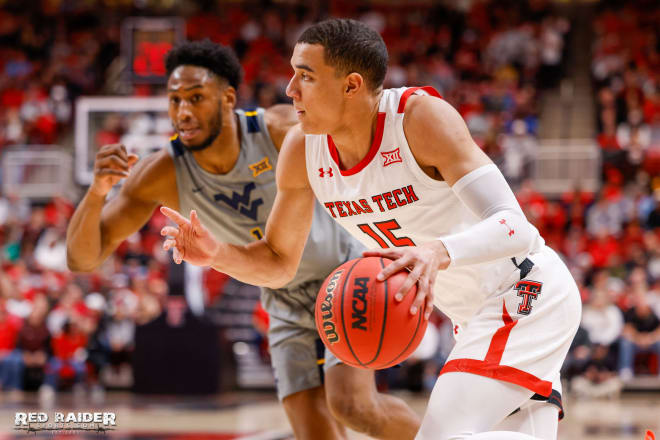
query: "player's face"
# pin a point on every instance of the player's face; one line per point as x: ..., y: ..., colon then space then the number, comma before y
x: 195, y: 97
x: 316, y: 90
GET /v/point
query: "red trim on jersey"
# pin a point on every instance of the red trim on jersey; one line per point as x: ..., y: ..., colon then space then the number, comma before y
x: 490, y: 366
x: 375, y: 146
x: 404, y: 97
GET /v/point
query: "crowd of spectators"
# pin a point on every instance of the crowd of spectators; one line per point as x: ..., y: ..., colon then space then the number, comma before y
x: 59, y: 329
x: 625, y: 68
x: 62, y: 329
x: 612, y: 239
x: 488, y: 62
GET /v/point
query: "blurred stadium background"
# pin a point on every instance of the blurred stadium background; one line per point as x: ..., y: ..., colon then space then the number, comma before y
x: 562, y: 95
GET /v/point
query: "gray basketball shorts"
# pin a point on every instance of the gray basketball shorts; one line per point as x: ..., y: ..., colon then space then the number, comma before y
x: 298, y: 356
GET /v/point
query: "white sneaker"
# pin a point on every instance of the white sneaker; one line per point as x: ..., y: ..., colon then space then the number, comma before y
x: 46, y: 396
x: 97, y: 395
x: 626, y: 375
x: 78, y: 391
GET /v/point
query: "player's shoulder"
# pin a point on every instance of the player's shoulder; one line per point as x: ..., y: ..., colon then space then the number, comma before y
x: 428, y: 115
x: 279, y: 119
x: 280, y: 114
x: 426, y: 107
x: 153, y: 178
x: 292, y: 166
x: 438, y: 136
x: 294, y: 141
x: 155, y: 166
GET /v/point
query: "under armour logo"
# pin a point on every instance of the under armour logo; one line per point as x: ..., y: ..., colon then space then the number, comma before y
x: 391, y: 157
x: 323, y: 172
x: 511, y: 231
x: 529, y: 290
x: 242, y: 202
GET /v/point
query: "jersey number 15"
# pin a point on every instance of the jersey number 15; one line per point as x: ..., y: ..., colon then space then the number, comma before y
x: 386, y: 227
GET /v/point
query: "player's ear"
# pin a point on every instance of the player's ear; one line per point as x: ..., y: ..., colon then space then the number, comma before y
x: 354, y: 82
x: 229, y: 96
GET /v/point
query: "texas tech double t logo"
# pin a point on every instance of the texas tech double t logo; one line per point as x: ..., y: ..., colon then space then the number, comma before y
x: 529, y: 290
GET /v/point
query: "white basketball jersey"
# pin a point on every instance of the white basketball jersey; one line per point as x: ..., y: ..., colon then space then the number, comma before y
x: 386, y: 200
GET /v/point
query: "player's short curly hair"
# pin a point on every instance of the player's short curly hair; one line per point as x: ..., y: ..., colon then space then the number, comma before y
x: 219, y: 59
x: 350, y: 46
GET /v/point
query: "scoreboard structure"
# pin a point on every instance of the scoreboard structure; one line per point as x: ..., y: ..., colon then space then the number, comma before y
x: 144, y: 43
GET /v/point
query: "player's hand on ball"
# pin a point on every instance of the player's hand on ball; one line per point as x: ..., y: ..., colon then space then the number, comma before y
x: 423, y: 262
x: 189, y: 240
x: 112, y: 164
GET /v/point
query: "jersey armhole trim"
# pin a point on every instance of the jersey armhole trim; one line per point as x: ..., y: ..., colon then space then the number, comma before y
x: 176, y: 148
x: 404, y: 97
x: 412, y: 164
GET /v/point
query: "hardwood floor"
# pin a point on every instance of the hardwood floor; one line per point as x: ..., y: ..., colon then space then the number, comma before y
x: 258, y: 416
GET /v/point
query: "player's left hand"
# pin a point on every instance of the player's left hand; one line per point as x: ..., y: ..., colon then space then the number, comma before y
x: 423, y: 262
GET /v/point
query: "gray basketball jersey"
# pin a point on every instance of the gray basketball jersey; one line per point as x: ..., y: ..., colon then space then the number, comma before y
x: 235, y: 206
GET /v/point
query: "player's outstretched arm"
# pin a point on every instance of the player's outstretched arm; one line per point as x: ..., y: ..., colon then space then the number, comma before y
x: 96, y: 227
x: 271, y: 261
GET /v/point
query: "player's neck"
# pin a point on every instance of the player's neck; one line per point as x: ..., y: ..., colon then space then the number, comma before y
x: 221, y: 156
x: 355, y: 137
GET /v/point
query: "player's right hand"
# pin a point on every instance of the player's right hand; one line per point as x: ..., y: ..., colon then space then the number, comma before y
x: 112, y: 164
x: 189, y: 240
x: 423, y: 262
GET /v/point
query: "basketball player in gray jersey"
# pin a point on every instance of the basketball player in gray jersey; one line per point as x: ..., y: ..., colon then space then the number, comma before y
x: 221, y: 163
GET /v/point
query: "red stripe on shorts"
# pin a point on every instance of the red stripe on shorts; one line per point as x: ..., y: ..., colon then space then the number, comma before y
x: 490, y: 366
x: 498, y: 343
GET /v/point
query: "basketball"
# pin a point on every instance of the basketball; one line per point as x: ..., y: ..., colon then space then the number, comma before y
x: 359, y: 320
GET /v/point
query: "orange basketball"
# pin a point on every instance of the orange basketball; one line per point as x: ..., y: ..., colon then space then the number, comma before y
x: 359, y: 320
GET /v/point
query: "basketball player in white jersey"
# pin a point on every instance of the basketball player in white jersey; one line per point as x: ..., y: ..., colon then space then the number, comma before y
x: 222, y: 164
x: 398, y: 169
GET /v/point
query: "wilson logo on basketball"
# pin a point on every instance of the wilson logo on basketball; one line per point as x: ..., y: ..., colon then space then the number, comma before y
x: 326, y: 309
x: 391, y: 157
x: 360, y: 322
x: 359, y: 304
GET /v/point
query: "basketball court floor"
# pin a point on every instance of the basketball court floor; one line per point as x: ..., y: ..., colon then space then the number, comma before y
x: 258, y: 416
